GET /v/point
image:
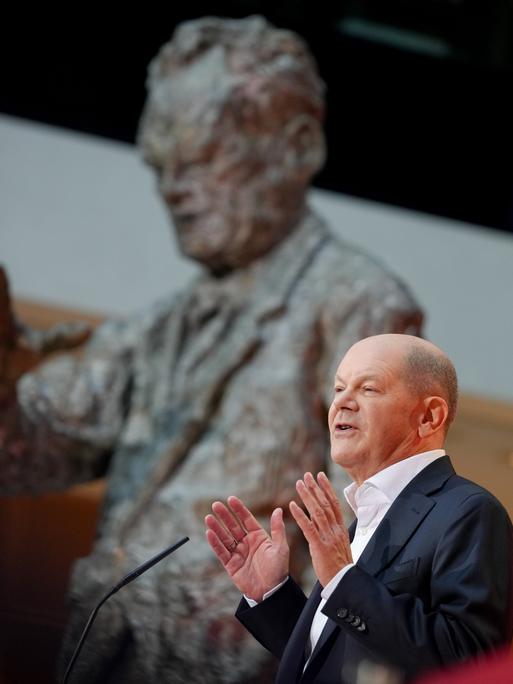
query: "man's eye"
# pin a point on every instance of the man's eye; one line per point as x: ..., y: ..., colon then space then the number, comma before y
x: 369, y: 389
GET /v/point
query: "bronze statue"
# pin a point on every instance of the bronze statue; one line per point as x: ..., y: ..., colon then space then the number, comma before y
x: 223, y: 389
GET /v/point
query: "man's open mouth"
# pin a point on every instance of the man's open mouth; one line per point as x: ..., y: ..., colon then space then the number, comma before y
x: 343, y: 427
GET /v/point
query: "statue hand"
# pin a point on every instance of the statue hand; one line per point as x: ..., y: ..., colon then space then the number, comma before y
x: 22, y: 348
x: 255, y: 561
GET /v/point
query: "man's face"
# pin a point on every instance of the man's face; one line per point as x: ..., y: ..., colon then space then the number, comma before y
x: 374, y: 415
x: 224, y: 181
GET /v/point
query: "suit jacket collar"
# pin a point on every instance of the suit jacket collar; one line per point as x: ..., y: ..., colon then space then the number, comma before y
x: 404, y: 516
x: 399, y: 524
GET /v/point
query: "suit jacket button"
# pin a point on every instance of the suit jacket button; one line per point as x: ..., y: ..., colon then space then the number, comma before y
x: 349, y: 617
x: 342, y: 612
x: 357, y: 621
x: 362, y: 627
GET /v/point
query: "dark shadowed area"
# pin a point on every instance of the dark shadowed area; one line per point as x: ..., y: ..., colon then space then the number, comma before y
x: 418, y: 113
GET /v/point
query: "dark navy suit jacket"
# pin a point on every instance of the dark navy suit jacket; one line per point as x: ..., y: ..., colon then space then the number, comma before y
x: 432, y: 587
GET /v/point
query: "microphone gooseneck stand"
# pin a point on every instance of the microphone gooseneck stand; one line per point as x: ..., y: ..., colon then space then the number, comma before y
x: 128, y: 578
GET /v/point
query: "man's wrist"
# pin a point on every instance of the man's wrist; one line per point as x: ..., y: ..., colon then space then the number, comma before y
x: 333, y: 583
x: 252, y: 602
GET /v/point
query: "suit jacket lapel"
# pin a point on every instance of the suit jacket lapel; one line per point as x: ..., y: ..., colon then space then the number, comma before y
x: 314, y: 599
x: 293, y: 659
x: 352, y: 529
x: 404, y: 517
x: 301, y: 633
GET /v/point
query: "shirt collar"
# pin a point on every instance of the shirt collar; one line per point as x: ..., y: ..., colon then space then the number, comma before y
x: 389, y: 482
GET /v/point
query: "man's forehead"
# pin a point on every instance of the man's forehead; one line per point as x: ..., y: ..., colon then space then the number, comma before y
x: 364, y: 374
x: 371, y: 360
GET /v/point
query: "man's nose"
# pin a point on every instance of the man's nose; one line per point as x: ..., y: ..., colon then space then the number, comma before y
x: 345, y: 399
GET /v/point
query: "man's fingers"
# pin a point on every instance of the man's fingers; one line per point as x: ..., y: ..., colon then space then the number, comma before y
x: 329, y: 492
x: 229, y: 520
x: 324, y: 502
x: 245, y: 516
x: 278, y: 535
x: 317, y: 514
x: 225, y: 537
x: 305, y: 524
x: 218, y: 547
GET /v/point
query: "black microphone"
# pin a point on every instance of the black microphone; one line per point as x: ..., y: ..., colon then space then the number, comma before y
x: 128, y: 578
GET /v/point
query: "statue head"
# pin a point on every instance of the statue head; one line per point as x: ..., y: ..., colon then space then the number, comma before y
x: 233, y: 127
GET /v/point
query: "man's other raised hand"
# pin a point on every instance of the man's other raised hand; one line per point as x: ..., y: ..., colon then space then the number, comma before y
x: 255, y: 561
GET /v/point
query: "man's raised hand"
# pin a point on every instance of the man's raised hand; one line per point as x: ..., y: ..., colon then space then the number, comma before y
x: 324, y: 530
x: 255, y: 561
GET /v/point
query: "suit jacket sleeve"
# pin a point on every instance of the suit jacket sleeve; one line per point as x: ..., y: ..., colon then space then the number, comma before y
x: 271, y: 622
x: 465, y: 607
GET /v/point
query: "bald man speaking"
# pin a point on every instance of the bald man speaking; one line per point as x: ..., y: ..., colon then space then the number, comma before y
x: 422, y: 579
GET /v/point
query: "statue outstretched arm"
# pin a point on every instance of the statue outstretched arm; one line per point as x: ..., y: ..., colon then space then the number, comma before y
x: 59, y: 418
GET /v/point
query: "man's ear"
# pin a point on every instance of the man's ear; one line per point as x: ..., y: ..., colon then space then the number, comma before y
x: 305, y: 145
x: 433, y: 416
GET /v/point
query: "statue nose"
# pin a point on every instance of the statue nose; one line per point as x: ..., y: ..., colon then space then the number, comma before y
x: 174, y: 190
x: 177, y: 196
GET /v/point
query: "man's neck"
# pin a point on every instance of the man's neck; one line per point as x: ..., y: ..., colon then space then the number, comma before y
x: 360, y: 476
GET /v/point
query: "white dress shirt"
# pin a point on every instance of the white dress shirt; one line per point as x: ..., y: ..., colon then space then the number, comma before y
x: 370, y: 503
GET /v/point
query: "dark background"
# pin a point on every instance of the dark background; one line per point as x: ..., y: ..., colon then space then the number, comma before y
x: 419, y: 101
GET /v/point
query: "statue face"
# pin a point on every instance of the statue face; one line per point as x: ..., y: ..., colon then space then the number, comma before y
x: 230, y: 185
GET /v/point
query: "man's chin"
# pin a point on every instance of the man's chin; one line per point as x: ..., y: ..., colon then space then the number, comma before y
x: 343, y: 457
